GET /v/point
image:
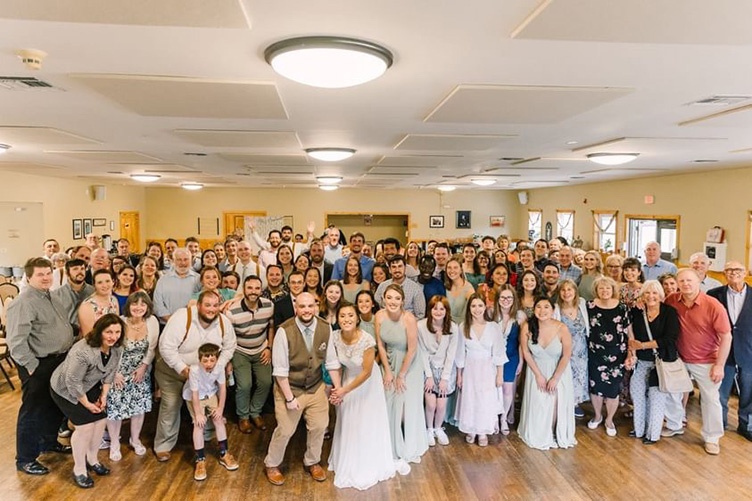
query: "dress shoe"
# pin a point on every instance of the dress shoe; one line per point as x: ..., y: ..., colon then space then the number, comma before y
x: 712, y: 449
x: 317, y: 472
x: 98, y: 468
x: 162, y: 456
x: 244, y: 425
x: 258, y: 422
x: 33, y: 468
x: 58, y: 447
x: 274, y: 475
x: 83, y: 481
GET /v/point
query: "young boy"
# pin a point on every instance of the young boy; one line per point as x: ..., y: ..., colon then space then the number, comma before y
x: 205, y: 380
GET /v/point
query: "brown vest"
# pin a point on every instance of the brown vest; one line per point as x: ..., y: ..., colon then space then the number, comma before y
x: 305, y: 368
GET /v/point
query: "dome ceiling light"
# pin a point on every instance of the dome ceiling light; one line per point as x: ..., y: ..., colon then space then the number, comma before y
x: 612, y: 158
x: 329, y: 180
x: 328, y: 187
x: 330, y: 154
x: 192, y: 186
x: 146, y: 178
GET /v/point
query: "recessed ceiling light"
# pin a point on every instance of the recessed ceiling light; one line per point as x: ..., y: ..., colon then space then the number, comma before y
x: 328, y: 187
x: 483, y: 181
x: 192, y: 186
x: 329, y: 180
x: 145, y: 178
x: 612, y: 158
x: 4, y: 148
x: 328, y: 62
x: 570, y: 143
x: 446, y: 187
x: 330, y: 154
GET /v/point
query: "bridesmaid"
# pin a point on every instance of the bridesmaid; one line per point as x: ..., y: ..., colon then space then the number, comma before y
x: 397, y: 341
x: 548, y: 399
x: 481, y: 355
x: 592, y: 268
x: 367, y: 308
x: 458, y: 289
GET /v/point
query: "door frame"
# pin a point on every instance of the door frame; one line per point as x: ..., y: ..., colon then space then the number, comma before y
x: 135, y: 242
x: 653, y: 217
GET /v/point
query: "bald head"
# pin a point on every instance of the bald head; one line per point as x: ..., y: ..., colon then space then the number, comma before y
x: 305, y: 307
x: 100, y: 260
x: 689, y: 282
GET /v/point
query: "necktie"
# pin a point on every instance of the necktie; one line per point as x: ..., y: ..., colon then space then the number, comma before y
x: 308, y: 335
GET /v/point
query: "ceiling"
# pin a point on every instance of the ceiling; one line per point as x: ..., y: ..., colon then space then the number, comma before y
x: 519, y: 91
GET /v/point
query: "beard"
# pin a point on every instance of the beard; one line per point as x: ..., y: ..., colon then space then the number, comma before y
x: 207, y: 319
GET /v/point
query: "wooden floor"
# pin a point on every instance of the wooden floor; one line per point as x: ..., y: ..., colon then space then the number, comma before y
x: 599, y: 467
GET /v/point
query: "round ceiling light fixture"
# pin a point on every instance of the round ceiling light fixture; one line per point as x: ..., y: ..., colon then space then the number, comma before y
x: 612, y: 158
x: 328, y: 62
x: 4, y: 148
x: 446, y: 187
x: 328, y: 187
x: 330, y: 154
x: 192, y: 186
x: 146, y: 178
x: 329, y: 180
x: 481, y: 181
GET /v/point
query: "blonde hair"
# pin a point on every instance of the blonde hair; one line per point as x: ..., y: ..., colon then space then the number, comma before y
x: 605, y: 280
x: 598, y: 262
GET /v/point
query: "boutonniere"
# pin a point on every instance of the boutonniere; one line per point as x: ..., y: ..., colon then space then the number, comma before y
x: 322, y: 346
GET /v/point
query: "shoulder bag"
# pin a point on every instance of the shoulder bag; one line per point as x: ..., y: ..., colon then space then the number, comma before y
x: 672, y: 376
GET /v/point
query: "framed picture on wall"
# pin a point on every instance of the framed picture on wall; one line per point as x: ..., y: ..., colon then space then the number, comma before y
x: 435, y: 221
x: 87, y: 226
x: 497, y: 221
x: 78, y: 231
x: 99, y: 221
x: 463, y: 219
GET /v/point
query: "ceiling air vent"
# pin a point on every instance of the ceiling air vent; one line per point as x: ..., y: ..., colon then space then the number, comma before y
x: 23, y: 83
x: 721, y: 100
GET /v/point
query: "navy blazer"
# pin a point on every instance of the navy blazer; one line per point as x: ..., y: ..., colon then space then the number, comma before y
x: 741, y: 331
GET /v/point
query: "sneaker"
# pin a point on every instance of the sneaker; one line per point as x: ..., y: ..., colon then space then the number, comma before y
x: 402, y: 467
x: 229, y: 462
x: 441, y: 436
x: 199, y: 473
x: 431, y: 437
x: 668, y: 432
x: 578, y: 412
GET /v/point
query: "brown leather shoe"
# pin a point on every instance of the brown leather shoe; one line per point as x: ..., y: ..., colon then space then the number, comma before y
x: 258, y: 422
x: 162, y: 456
x: 244, y: 425
x: 274, y: 475
x: 317, y: 472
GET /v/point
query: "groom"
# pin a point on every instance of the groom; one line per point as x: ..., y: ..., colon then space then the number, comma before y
x: 301, y: 345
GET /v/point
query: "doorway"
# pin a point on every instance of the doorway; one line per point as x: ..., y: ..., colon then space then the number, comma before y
x: 130, y: 228
x: 374, y: 226
x: 644, y: 229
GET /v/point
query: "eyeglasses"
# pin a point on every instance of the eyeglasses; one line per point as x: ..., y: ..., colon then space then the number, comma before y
x: 737, y: 271
x: 613, y: 266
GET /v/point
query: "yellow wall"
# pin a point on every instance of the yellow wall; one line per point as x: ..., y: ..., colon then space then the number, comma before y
x: 173, y: 212
x: 703, y: 200
x: 67, y: 199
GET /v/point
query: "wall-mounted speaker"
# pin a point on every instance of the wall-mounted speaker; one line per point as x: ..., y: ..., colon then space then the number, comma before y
x: 98, y: 192
x: 522, y: 196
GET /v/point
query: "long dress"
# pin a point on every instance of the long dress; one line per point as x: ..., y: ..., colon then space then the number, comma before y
x: 579, y: 360
x: 361, y: 453
x: 607, y: 348
x: 407, y: 422
x: 537, y: 416
x: 479, y: 403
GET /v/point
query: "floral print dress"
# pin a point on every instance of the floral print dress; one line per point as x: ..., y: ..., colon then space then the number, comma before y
x: 607, y: 348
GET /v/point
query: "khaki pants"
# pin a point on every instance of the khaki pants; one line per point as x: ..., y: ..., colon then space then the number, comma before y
x: 168, y: 424
x: 314, y: 408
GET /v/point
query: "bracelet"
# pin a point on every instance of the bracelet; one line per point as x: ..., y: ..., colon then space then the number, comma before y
x: 290, y: 401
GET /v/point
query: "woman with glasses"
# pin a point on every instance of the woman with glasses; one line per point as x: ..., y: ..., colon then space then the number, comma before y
x: 614, y: 266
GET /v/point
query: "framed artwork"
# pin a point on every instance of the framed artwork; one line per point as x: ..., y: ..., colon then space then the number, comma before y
x: 435, y: 221
x: 497, y: 221
x: 87, y: 226
x: 78, y: 231
x: 99, y: 221
x: 463, y: 219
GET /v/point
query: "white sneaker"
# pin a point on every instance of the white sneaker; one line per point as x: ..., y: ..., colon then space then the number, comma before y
x: 441, y: 436
x: 402, y: 467
x: 431, y: 437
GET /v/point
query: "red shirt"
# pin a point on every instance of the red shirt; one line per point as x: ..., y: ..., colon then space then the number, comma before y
x: 700, y: 327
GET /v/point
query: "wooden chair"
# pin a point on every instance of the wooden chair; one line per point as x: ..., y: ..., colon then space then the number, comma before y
x: 5, y: 355
x: 8, y: 290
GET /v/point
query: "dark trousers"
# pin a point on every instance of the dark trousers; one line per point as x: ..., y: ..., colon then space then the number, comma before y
x: 39, y: 417
x: 744, y: 378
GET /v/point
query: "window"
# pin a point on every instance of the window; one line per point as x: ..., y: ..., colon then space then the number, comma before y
x: 565, y: 224
x: 604, y: 230
x: 534, y: 224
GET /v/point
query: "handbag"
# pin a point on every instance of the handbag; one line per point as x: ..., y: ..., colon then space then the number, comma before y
x: 672, y: 376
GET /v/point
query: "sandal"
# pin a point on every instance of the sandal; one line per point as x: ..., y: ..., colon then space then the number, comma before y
x: 482, y: 440
x: 469, y: 438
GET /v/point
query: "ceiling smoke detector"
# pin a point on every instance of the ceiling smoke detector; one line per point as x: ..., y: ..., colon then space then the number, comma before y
x: 32, y: 58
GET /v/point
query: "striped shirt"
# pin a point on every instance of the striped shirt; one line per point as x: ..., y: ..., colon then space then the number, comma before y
x: 251, y: 326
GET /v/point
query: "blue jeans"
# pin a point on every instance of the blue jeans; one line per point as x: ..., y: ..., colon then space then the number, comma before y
x: 744, y: 378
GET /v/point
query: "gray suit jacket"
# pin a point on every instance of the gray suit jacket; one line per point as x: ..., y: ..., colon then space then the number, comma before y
x: 82, y: 369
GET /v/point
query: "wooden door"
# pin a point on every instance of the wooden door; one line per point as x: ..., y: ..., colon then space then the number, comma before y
x: 130, y: 228
x: 235, y: 221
